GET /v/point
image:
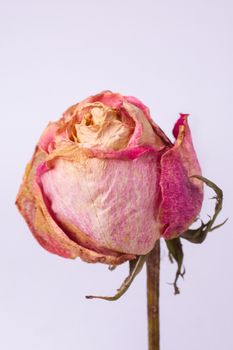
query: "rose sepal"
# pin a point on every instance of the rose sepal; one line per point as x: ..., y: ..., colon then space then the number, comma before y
x: 135, y: 267
x: 199, y: 235
x: 175, y: 253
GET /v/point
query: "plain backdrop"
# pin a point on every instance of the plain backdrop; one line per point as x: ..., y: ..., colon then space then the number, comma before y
x: 176, y: 56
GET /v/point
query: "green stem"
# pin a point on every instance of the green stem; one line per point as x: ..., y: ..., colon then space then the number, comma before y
x: 153, y: 271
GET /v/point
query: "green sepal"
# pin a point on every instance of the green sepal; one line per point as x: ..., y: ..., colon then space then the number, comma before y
x: 199, y: 235
x: 176, y: 253
x: 135, y: 266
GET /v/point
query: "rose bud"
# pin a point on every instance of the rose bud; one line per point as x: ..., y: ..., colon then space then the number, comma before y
x: 105, y: 182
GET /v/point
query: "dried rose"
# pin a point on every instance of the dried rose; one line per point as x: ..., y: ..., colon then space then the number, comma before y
x: 105, y: 182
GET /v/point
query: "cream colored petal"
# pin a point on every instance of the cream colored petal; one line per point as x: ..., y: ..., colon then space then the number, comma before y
x: 101, y: 127
x: 144, y: 133
x: 110, y: 135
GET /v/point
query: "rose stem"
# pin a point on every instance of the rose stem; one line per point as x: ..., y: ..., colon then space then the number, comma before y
x: 153, y: 267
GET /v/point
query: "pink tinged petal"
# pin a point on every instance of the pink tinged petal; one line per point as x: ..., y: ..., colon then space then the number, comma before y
x: 46, y: 231
x: 55, y: 241
x: 182, y: 196
x: 112, y: 201
x: 128, y: 153
x: 134, y: 101
x: 46, y: 142
x: 32, y: 208
x: 143, y: 132
x: 134, y: 114
x: 50, y: 236
x: 106, y: 97
x: 73, y: 153
x: 146, y: 131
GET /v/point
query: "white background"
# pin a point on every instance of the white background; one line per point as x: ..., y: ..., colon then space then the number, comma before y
x: 176, y: 56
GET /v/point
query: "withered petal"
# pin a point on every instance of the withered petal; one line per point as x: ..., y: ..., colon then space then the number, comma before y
x: 47, y: 232
x: 182, y: 195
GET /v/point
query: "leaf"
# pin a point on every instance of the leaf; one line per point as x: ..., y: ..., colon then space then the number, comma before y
x: 176, y: 253
x: 136, y: 266
x: 200, y: 234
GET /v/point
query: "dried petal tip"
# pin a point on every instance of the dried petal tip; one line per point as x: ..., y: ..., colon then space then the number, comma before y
x: 180, y: 122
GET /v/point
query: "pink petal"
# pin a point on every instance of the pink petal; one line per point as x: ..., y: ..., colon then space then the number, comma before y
x: 144, y: 133
x: 47, y: 232
x: 48, y: 137
x: 182, y: 196
x: 134, y: 101
x: 113, y: 201
x: 106, y: 97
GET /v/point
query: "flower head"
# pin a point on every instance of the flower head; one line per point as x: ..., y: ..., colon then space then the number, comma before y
x: 105, y: 182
